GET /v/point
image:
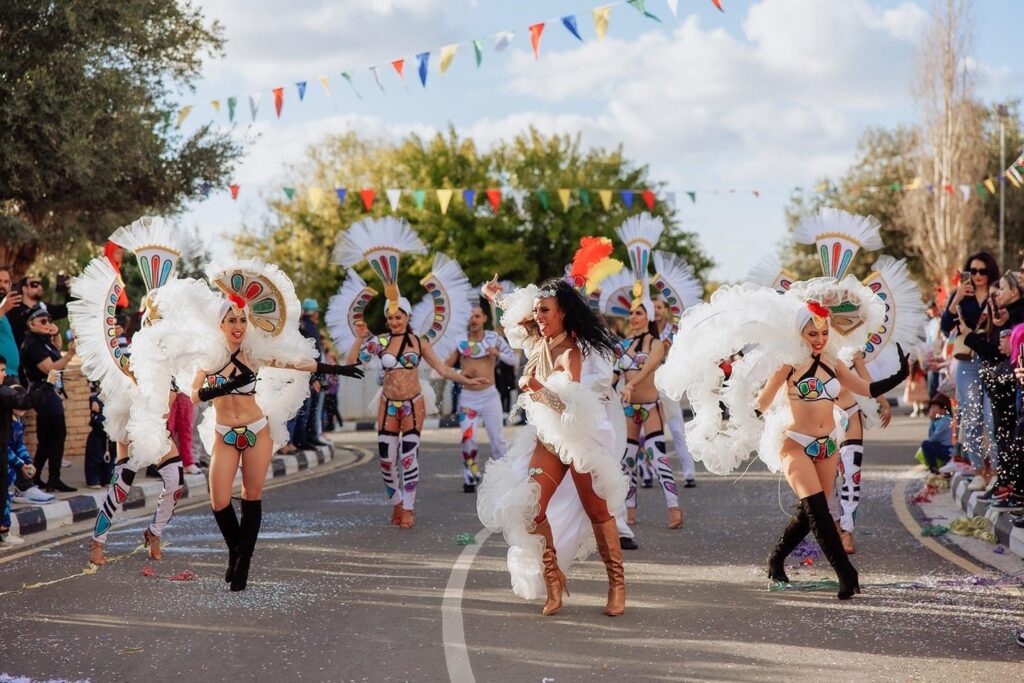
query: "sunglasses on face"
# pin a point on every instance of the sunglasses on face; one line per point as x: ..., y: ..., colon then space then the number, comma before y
x: 979, y: 271
x: 45, y: 321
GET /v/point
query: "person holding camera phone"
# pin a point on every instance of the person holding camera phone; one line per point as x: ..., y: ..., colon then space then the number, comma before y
x: 10, y: 297
x: 964, y: 312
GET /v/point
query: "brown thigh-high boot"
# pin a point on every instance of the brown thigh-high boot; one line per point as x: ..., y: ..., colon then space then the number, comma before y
x: 554, y: 579
x: 607, y: 536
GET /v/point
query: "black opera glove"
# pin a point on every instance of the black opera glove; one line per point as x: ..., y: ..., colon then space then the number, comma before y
x: 225, y: 388
x: 876, y: 389
x: 347, y: 370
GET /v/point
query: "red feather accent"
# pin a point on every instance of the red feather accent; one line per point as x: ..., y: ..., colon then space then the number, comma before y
x: 238, y: 301
x: 817, y: 309
x: 592, y: 251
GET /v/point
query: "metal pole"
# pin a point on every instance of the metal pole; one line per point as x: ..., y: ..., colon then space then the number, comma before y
x: 1001, y: 109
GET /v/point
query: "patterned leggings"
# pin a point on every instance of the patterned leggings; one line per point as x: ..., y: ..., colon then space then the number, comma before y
x: 645, y: 419
x: 399, y: 450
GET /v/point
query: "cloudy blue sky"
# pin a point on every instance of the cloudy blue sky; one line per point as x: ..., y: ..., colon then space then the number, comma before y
x: 771, y: 95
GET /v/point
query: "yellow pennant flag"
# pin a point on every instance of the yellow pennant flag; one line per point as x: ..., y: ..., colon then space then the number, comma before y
x: 990, y: 185
x: 563, y: 195
x: 822, y: 187
x: 447, y: 55
x: 324, y: 81
x: 606, y: 198
x: 602, y: 15
x: 444, y: 198
x: 1014, y: 178
x: 182, y: 115
x: 914, y: 184
x: 215, y: 104
x: 315, y: 196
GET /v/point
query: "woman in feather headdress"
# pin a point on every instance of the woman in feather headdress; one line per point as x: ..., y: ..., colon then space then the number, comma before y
x: 404, y: 399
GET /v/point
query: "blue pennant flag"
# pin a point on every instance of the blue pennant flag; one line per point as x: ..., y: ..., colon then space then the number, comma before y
x: 424, y: 57
x: 570, y: 24
x: 470, y: 197
x: 627, y: 198
x: 340, y: 191
x: 301, y: 85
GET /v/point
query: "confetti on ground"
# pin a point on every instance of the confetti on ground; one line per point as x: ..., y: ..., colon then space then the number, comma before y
x: 925, y: 495
x: 187, y: 575
x: 934, y: 530
x: 465, y: 538
x: 975, y: 527
x: 804, y: 586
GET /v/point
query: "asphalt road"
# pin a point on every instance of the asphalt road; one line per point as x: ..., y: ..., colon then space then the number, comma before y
x: 337, y: 594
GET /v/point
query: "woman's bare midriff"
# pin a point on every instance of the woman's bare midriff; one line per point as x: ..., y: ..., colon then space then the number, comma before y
x: 401, y: 384
x: 812, y: 418
x: 235, y: 410
x: 645, y: 392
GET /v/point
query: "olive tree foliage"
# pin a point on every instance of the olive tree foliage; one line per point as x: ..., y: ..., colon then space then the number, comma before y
x: 525, y: 241
x: 88, y: 93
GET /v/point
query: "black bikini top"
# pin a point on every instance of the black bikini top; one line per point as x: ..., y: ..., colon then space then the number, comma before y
x: 809, y: 387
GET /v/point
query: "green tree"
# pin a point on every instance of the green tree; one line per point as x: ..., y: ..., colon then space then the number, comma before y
x: 87, y: 138
x: 525, y: 247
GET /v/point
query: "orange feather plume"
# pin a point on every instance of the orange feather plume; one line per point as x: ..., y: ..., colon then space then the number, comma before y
x: 592, y: 251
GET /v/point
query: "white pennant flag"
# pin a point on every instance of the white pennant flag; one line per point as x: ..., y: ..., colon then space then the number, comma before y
x: 503, y: 39
x: 670, y: 199
x: 517, y: 197
x: 254, y: 104
x: 393, y: 196
x: 673, y: 5
x: 376, y: 77
x: 965, y: 190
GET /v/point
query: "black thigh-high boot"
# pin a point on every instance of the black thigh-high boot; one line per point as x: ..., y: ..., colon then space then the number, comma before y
x: 824, y: 529
x: 249, y: 529
x: 791, y: 536
x: 227, y: 521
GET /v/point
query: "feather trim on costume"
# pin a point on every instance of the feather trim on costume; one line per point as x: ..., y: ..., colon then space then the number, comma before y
x: 905, y: 317
x: 157, y: 246
x: 380, y: 242
x: 599, y: 273
x: 640, y: 234
x: 676, y: 284
x: 517, y: 306
x: 853, y: 309
x: 768, y: 272
x: 346, y: 308
x: 508, y: 497
x: 92, y: 317
x: 838, y: 236
x: 448, y: 291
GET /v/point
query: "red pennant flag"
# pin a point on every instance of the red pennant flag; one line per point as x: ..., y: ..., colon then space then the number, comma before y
x: 278, y: 100
x: 948, y: 188
x: 718, y: 4
x: 494, y: 197
x: 648, y: 199
x: 234, y: 191
x: 535, y: 32
x: 399, y: 64
x: 757, y: 194
x: 367, y: 196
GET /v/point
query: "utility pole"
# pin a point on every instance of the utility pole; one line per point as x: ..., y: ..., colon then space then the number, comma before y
x: 1002, y: 111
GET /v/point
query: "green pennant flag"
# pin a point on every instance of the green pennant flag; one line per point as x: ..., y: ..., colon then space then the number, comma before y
x: 232, y: 104
x: 639, y: 6
x: 584, y: 197
x: 418, y: 197
x: 980, y: 189
x: 542, y: 196
x: 896, y: 187
x: 289, y: 192
x: 478, y: 50
x: 692, y: 196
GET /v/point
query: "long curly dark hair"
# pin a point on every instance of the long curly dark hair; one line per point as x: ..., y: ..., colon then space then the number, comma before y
x: 585, y: 327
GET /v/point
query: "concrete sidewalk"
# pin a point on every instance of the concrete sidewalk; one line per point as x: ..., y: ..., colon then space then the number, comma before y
x: 84, y: 504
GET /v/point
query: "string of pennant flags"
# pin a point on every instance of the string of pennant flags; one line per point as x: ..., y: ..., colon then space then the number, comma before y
x: 601, y: 17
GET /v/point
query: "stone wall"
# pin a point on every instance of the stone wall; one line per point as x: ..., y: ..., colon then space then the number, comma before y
x: 76, y: 413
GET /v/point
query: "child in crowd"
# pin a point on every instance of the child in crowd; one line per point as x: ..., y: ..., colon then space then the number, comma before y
x: 939, y: 444
x: 100, y: 451
x: 18, y: 459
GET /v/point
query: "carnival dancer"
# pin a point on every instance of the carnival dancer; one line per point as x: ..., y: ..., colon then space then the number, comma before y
x: 478, y: 353
x: 526, y: 495
x: 404, y: 399
x: 793, y: 341
x: 97, y: 293
x: 838, y: 237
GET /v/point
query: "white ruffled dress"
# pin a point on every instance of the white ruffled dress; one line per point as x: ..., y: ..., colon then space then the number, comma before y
x: 508, y: 498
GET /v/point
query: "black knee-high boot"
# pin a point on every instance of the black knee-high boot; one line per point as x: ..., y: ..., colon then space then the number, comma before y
x: 249, y: 529
x: 824, y: 529
x: 227, y: 522
x: 791, y: 536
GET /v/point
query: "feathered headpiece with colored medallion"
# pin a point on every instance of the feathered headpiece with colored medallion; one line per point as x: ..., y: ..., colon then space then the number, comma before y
x: 261, y: 289
x: 381, y: 242
x: 677, y: 286
x: 640, y: 234
x: 905, y: 317
x: 838, y: 236
x: 768, y: 272
x: 441, y: 317
x: 157, y: 246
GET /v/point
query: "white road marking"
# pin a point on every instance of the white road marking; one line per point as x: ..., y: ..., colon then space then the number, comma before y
x: 452, y: 630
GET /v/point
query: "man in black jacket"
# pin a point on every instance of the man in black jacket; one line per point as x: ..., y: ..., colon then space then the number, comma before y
x: 16, y: 397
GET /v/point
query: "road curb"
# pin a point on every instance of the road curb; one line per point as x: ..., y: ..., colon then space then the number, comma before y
x: 1006, y: 533
x: 36, y: 519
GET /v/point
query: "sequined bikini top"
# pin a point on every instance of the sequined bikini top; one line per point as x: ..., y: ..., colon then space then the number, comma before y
x: 810, y: 387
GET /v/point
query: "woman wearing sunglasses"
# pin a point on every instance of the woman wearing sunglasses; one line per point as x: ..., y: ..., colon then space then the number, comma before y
x: 965, y: 309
